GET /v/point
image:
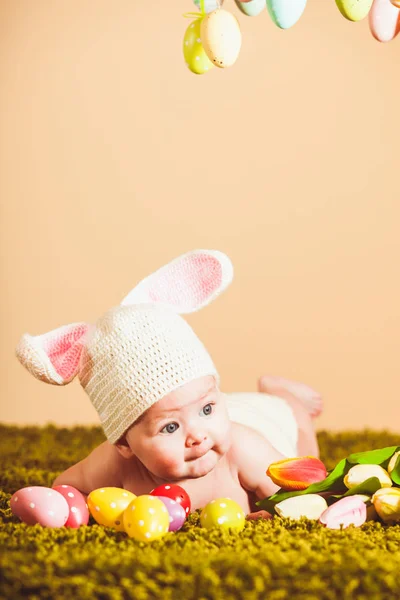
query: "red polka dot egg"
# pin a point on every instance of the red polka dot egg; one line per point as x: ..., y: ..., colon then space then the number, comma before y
x: 175, y: 492
x: 78, y: 510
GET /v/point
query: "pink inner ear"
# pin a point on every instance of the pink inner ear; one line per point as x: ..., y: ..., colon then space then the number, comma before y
x: 64, y: 349
x: 189, y: 282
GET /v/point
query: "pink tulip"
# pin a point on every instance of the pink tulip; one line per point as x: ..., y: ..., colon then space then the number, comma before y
x: 347, y: 511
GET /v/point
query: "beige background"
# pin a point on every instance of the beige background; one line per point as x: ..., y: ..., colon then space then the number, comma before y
x: 115, y: 159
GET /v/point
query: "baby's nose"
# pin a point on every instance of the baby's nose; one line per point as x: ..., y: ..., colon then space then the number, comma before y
x: 195, y: 438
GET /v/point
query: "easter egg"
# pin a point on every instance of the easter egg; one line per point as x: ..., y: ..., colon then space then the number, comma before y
x: 252, y: 8
x: 41, y: 505
x: 146, y: 518
x: 107, y: 505
x: 209, y: 5
x: 78, y: 510
x: 193, y: 51
x: 175, y: 492
x: 384, y: 20
x: 285, y: 13
x: 176, y: 512
x: 223, y: 512
x: 221, y: 37
x: 354, y: 10
x: 395, y: 3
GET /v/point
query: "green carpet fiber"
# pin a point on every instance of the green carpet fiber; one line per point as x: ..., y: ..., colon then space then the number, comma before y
x: 270, y: 560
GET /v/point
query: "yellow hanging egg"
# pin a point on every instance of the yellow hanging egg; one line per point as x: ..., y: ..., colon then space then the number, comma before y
x: 108, y: 504
x: 354, y: 10
x: 222, y: 512
x: 221, y: 37
x: 193, y: 51
x: 146, y: 518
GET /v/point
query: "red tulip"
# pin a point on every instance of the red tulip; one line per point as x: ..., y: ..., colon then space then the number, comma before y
x: 297, y: 473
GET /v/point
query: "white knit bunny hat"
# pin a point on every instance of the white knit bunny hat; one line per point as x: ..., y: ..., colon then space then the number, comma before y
x: 139, y: 351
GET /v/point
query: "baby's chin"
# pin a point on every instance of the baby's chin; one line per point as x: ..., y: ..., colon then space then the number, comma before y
x: 201, y: 466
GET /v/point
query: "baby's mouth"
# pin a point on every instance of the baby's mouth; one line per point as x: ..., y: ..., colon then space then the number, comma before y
x: 198, y: 455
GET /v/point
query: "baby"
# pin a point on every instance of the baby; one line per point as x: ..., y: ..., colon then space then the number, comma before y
x: 157, y: 394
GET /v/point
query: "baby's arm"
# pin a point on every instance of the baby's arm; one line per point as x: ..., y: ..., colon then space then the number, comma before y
x: 253, y: 454
x: 100, y: 469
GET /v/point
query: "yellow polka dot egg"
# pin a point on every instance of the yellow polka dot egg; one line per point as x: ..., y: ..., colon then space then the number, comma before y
x: 193, y: 52
x: 146, y: 519
x: 222, y: 512
x: 108, y: 504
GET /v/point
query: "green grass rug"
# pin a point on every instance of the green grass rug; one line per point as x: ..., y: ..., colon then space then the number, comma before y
x: 268, y: 560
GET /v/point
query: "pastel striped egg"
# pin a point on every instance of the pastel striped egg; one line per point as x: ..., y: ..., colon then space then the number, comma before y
x: 209, y: 5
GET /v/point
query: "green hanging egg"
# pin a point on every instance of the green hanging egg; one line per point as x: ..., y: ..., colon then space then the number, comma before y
x: 193, y: 51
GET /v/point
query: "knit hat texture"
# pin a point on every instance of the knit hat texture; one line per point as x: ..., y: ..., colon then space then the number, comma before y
x: 139, y: 351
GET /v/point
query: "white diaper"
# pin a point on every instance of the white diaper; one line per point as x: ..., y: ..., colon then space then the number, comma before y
x: 269, y: 415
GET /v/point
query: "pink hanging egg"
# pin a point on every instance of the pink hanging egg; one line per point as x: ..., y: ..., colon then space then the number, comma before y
x: 384, y: 20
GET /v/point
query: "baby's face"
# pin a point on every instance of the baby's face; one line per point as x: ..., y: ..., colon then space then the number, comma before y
x: 185, y: 433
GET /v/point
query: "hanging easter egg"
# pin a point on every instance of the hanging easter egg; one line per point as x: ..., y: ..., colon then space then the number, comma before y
x: 252, y: 8
x: 209, y: 5
x: 146, y: 519
x: 354, y: 10
x: 175, y: 492
x: 193, y: 51
x: 176, y: 512
x: 223, y: 512
x: 107, y: 506
x: 38, y: 504
x: 221, y: 37
x: 285, y: 13
x: 78, y: 510
x: 384, y: 20
x: 395, y: 3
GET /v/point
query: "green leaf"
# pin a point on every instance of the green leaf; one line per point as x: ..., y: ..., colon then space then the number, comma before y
x: 373, y: 457
x: 395, y: 474
x: 334, y: 482
x: 367, y: 487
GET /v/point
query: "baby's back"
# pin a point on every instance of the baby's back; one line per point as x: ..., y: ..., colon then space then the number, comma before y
x: 269, y: 415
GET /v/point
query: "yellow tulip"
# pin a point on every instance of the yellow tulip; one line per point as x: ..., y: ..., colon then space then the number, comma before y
x: 359, y: 473
x: 393, y: 461
x: 387, y: 504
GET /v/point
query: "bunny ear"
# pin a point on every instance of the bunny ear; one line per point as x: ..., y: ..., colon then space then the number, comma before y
x: 187, y: 283
x: 54, y: 356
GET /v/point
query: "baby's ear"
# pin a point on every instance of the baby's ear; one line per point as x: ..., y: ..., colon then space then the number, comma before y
x: 187, y: 283
x: 54, y: 356
x: 123, y: 447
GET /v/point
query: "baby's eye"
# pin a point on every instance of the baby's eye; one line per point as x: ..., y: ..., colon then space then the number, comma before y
x: 207, y: 410
x: 170, y: 428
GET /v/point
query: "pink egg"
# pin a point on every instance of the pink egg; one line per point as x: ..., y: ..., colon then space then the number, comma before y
x: 384, y: 20
x: 41, y: 505
x: 177, y: 514
x: 78, y: 510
